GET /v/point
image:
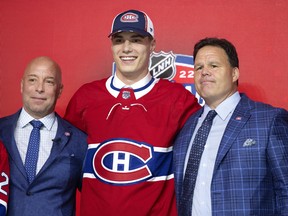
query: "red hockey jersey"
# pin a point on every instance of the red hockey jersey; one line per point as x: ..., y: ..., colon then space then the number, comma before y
x: 128, y: 167
x: 4, y: 179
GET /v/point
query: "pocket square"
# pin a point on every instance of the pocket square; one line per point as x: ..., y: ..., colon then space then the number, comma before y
x: 249, y: 142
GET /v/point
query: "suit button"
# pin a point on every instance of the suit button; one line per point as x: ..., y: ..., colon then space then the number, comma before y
x: 29, y: 193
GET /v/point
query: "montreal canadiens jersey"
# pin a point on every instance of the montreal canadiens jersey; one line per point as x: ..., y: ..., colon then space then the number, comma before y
x: 128, y: 166
x: 4, y: 179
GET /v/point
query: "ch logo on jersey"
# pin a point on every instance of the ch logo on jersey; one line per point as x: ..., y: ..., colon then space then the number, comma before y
x: 162, y: 65
x: 122, y: 161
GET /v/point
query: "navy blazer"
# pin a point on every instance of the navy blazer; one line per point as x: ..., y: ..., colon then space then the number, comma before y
x: 53, y: 191
x: 250, y: 175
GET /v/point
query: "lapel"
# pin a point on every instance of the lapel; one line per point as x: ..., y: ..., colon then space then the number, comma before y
x: 59, y: 142
x: 238, y: 119
x: 10, y: 143
x: 7, y: 133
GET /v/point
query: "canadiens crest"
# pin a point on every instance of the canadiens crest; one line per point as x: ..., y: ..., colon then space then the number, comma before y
x: 129, y: 17
x: 122, y: 161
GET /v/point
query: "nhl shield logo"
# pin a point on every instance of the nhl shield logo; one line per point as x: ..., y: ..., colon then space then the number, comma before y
x: 126, y: 94
x: 162, y: 65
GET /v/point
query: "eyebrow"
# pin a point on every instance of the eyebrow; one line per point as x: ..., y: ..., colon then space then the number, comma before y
x: 31, y: 75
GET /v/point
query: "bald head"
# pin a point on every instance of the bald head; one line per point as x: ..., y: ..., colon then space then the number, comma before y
x: 45, y: 61
x: 41, y: 86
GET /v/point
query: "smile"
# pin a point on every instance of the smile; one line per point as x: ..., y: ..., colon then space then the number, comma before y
x: 127, y: 58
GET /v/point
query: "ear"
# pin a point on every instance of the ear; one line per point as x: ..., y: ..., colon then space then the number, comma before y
x: 152, y: 45
x: 60, y: 90
x: 21, y: 86
x: 235, y: 74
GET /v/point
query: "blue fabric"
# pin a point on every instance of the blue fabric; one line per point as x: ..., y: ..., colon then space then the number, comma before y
x: 2, y: 210
x: 193, y: 164
x: 33, y: 150
x: 251, y: 173
x: 53, y: 190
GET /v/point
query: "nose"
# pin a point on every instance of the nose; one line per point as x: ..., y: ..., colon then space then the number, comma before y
x: 127, y: 46
x: 205, y: 71
x: 40, y: 86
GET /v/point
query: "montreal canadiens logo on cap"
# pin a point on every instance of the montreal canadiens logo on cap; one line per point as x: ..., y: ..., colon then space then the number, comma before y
x: 129, y: 17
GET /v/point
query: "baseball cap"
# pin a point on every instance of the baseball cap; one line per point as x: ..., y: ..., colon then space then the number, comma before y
x: 133, y: 21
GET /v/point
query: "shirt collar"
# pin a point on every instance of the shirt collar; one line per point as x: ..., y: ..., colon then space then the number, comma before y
x: 117, y: 83
x: 226, y: 107
x: 25, y: 118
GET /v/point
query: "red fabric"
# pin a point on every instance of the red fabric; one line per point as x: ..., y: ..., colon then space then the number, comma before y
x: 4, y: 176
x: 155, y: 122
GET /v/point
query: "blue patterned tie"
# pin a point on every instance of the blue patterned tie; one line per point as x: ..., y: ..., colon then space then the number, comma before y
x: 33, y: 149
x: 193, y: 164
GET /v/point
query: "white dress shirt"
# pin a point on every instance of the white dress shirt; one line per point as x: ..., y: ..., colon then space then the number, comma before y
x: 202, y: 192
x: 47, y: 134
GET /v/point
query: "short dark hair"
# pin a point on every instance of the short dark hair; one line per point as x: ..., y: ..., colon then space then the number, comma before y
x: 227, y: 46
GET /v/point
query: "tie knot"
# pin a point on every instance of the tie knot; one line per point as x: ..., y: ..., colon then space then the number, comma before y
x: 210, y: 116
x: 36, y: 124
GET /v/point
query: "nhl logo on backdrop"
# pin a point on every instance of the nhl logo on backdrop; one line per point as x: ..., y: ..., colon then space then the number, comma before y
x: 162, y: 65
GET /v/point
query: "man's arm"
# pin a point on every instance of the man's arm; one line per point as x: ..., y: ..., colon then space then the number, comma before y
x: 278, y: 159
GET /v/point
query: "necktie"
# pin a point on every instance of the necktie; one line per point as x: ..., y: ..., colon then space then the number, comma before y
x: 193, y: 164
x: 32, y: 150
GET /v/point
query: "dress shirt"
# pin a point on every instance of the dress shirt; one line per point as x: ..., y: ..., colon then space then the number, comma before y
x: 47, y: 134
x: 202, y: 192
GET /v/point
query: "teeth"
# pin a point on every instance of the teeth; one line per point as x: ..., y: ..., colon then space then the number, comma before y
x: 128, y: 58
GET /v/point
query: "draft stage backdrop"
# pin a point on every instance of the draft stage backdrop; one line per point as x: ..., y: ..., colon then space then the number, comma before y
x: 74, y: 33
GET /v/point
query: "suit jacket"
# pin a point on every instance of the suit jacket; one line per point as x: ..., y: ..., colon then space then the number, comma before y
x: 53, y: 191
x: 250, y: 175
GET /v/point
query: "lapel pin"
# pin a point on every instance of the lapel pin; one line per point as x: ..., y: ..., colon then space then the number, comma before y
x: 238, y: 118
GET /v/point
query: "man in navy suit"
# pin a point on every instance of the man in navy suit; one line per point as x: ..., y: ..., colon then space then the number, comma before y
x: 243, y: 169
x: 52, y: 191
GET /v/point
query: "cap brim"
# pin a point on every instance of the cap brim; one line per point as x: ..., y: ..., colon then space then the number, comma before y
x: 139, y: 31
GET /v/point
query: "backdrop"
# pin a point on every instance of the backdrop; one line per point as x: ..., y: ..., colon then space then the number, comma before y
x: 74, y: 33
